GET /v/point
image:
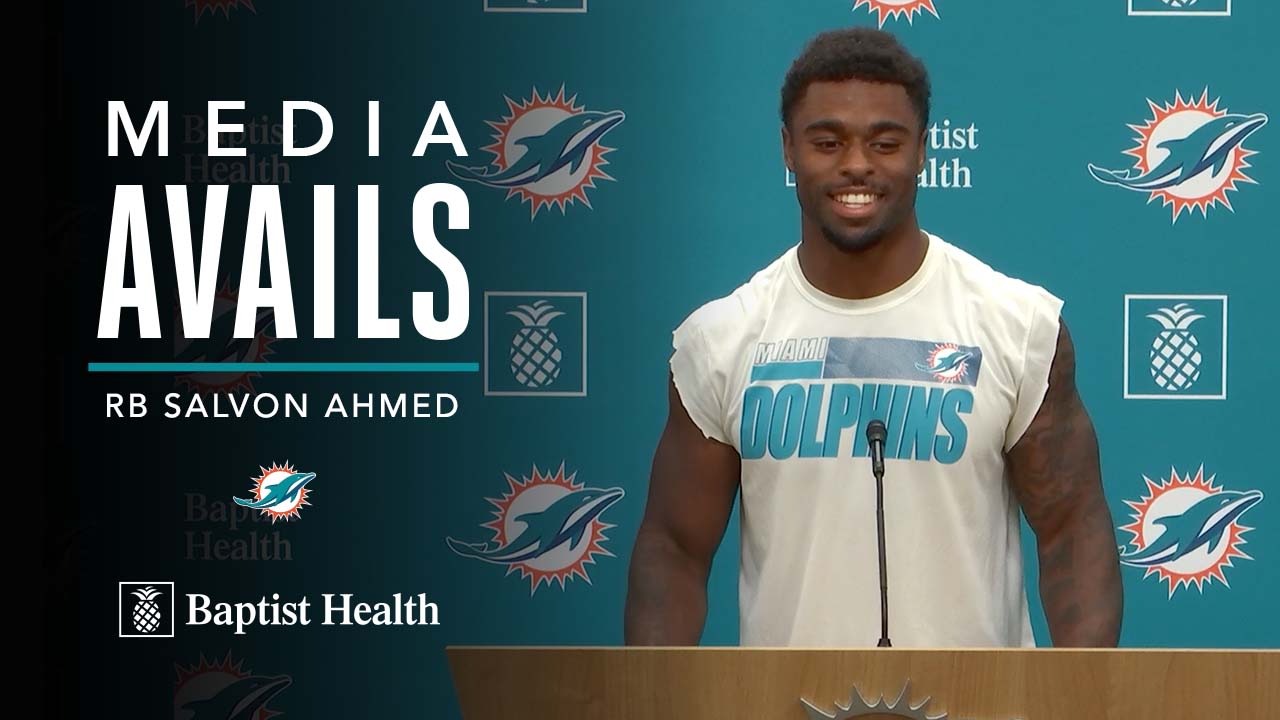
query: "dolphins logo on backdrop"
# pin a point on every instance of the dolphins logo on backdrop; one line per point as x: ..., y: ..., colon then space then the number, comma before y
x: 214, y: 6
x: 948, y: 363
x: 547, y: 151
x: 540, y: 6
x: 1186, y: 530
x: 224, y: 691
x: 547, y: 527
x: 886, y: 9
x: 1184, y: 8
x: 223, y: 346
x: 279, y: 492
x: 1189, y: 155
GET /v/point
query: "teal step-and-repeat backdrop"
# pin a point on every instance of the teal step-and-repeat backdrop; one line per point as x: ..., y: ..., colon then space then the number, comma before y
x: 1117, y: 152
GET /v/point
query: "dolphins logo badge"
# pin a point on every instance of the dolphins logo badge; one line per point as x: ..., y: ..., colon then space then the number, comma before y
x: 1189, y: 154
x: 886, y: 9
x: 1187, y: 529
x: 947, y: 363
x: 213, y: 7
x: 279, y: 492
x: 222, y: 346
x: 546, y: 526
x: 224, y: 690
x: 547, y: 151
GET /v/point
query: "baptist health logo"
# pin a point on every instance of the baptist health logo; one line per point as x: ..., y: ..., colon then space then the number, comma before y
x: 547, y: 527
x: 1189, y: 155
x: 279, y: 492
x: 1175, y: 347
x: 145, y: 609
x: 886, y: 9
x: 1186, y: 530
x: 535, y: 344
x: 947, y: 167
x: 547, y: 151
x: 1185, y: 8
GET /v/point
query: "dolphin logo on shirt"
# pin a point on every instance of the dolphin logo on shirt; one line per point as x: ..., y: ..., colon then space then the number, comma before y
x: 945, y: 365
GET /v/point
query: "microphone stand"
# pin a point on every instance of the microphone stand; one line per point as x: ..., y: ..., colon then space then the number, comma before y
x: 876, y: 433
x: 884, y: 577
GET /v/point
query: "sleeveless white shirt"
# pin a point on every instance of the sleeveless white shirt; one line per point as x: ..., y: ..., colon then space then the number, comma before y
x: 955, y: 361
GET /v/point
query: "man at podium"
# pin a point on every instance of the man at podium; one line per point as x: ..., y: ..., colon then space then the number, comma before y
x: 872, y: 344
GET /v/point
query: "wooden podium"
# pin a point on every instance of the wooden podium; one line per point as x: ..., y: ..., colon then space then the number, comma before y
x: 599, y: 683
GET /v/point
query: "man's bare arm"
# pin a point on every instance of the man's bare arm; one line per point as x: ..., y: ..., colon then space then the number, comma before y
x: 1055, y: 473
x: 691, y: 491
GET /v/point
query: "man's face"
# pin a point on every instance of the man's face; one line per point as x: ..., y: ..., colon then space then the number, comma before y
x: 856, y: 149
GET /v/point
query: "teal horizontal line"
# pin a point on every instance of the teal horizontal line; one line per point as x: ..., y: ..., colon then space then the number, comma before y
x: 279, y: 367
x: 804, y: 370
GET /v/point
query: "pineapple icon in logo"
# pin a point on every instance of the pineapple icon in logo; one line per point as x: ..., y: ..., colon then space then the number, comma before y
x: 535, y: 343
x: 146, y: 609
x: 146, y: 614
x: 1175, y: 347
x: 535, y: 348
x: 1175, y: 352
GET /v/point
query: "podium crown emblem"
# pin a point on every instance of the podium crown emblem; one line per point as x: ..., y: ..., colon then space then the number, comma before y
x: 859, y: 707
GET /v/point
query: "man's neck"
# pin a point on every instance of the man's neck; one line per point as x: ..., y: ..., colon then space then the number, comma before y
x: 866, y: 273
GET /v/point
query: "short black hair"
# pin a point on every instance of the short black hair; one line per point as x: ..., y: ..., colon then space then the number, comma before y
x: 857, y: 53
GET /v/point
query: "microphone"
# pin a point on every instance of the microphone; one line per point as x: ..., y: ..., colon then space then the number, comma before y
x: 876, y: 434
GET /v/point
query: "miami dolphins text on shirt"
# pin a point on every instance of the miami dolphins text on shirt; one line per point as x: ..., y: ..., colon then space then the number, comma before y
x: 800, y: 404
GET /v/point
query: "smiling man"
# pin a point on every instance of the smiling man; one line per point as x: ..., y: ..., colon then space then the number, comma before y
x: 869, y: 317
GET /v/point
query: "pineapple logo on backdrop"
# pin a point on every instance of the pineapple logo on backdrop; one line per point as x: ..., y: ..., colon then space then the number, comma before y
x: 535, y: 344
x: 546, y: 527
x: 146, y: 609
x: 1186, y: 530
x: 535, y: 348
x: 1175, y: 347
x: 224, y: 690
x: 547, y: 151
x: 1189, y: 155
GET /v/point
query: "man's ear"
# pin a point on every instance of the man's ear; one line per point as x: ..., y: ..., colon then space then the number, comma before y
x: 786, y: 148
x: 924, y: 150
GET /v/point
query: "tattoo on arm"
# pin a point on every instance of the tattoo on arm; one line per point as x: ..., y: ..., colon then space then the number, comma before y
x: 1055, y: 473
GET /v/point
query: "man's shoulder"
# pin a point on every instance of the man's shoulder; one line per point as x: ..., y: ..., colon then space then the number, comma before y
x: 1019, y: 319
x: 745, y: 305
x: 993, y: 287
